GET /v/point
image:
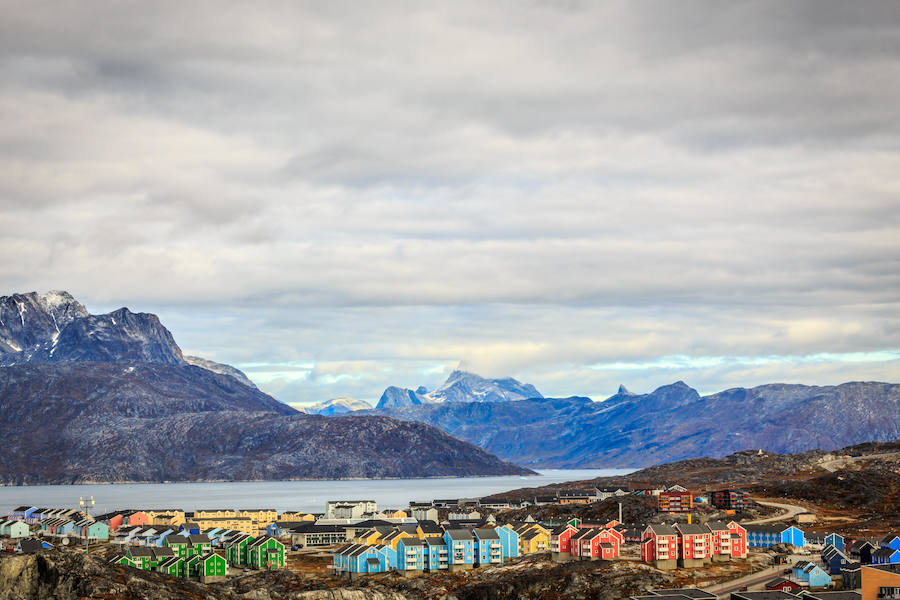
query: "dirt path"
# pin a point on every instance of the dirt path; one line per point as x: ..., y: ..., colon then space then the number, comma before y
x: 833, y: 465
x: 790, y: 511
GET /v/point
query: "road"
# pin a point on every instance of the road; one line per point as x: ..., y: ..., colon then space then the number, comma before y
x: 750, y: 580
x: 833, y: 465
x: 790, y: 511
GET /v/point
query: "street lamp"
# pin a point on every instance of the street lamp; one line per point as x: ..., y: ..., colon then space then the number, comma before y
x: 86, y: 504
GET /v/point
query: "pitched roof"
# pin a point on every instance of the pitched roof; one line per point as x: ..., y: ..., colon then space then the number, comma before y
x: 486, y: 534
x: 691, y: 528
x: 460, y: 534
x: 662, y: 529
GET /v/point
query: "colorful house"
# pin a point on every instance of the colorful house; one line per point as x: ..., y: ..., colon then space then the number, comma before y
x: 361, y: 559
x: 210, y: 565
x: 410, y: 554
x: 173, y: 566
x: 179, y: 544
x: 460, y: 548
x: 779, y: 584
x: 95, y: 531
x: 265, y: 553
x: 675, y: 501
x: 236, y: 549
x: 509, y: 542
x: 533, y: 539
x: 729, y: 540
x: 810, y: 574
x: 834, y: 560
x: 436, y: 554
x: 764, y: 536
x: 659, y: 545
x: 890, y: 541
x: 694, y: 544
x: 488, y: 547
x: 836, y: 540
x: 15, y: 529
x: 559, y: 538
x: 885, y: 556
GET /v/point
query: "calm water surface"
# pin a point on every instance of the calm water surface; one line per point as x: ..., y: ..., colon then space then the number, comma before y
x: 307, y: 496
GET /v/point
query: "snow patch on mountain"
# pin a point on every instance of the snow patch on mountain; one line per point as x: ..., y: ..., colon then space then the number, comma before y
x: 337, y: 406
x: 461, y: 386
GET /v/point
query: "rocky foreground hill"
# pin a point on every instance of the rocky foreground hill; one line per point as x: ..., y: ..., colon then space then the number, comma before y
x: 69, y: 575
x: 111, y: 398
x: 673, y: 422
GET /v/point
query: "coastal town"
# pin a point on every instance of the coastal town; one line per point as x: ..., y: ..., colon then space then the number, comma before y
x: 686, y: 531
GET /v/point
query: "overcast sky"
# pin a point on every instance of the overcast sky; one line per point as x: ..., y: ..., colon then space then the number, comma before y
x: 341, y: 196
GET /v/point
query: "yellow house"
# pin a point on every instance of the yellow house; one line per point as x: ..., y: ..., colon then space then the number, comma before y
x: 395, y: 514
x: 171, y: 517
x: 216, y: 513
x: 533, y: 540
x: 296, y: 517
x: 261, y: 517
x: 242, y: 524
x: 369, y: 537
x: 393, y: 537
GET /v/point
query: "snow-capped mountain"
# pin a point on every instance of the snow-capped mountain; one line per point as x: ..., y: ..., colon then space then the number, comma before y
x: 461, y: 386
x: 337, y: 406
x: 125, y: 405
x: 27, y: 320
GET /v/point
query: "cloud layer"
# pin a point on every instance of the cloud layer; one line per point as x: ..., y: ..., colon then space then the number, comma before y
x: 345, y: 196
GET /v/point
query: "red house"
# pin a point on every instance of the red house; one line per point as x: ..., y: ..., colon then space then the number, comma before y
x: 783, y: 585
x: 729, y: 540
x: 130, y: 518
x: 559, y: 538
x: 659, y: 545
x: 694, y: 544
x: 675, y: 502
x: 594, y: 543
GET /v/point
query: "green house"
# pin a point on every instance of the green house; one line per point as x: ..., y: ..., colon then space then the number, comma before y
x: 127, y: 561
x: 191, y: 568
x: 199, y: 544
x: 179, y: 544
x: 142, y: 556
x: 172, y: 566
x: 236, y: 549
x: 265, y: 553
x: 211, y: 565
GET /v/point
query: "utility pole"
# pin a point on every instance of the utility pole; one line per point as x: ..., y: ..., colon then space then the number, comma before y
x: 620, y: 512
x: 86, y: 504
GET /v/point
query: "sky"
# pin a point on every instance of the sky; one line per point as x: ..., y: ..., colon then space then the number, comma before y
x: 341, y: 196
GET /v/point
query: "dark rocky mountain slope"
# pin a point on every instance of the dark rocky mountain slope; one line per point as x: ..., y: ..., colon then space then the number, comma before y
x: 111, y: 398
x: 671, y: 423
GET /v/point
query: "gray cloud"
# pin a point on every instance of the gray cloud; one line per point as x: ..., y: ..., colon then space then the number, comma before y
x: 362, y: 195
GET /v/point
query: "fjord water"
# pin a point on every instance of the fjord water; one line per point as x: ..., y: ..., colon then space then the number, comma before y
x: 309, y: 496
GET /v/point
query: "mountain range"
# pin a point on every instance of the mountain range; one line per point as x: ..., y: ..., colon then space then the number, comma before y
x: 110, y: 398
x: 461, y: 386
x: 674, y: 422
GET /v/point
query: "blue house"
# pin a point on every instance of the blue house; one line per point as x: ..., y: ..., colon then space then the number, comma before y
x: 460, y: 548
x: 891, y: 541
x: 764, y: 536
x: 410, y: 554
x: 815, y: 576
x: 834, y: 560
x: 360, y: 559
x: 487, y: 546
x: 885, y: 556
x: 436, y: 555
x: 23, y: 513
x: 836, y: 540
x: 509, y: 542
x: 811, y: 574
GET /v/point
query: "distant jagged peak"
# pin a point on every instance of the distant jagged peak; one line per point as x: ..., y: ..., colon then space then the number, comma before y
x: 337, y: 406
x: 460, y: 386
x: 624, y: 391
